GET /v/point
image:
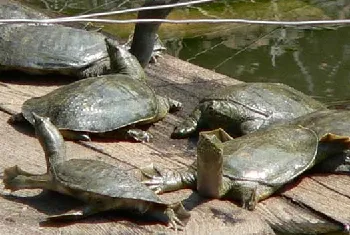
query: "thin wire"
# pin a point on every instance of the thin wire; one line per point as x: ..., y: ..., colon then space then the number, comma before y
x: 192, y: 21
x: 139, y: 9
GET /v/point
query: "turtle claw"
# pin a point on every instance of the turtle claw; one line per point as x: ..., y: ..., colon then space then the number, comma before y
x: 173, y: 220
x: 165, y: 181
x: 153, y: 178
x: 66, y: 217
x: 139, y: 135
x: 177, y: 214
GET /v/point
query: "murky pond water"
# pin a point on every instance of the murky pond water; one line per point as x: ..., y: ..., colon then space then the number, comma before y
x: 315, y: 60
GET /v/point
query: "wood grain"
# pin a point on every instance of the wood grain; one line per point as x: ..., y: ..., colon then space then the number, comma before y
x: 319, y: 203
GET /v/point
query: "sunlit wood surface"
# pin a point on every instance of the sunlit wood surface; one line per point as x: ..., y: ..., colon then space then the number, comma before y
x: 313, y: 204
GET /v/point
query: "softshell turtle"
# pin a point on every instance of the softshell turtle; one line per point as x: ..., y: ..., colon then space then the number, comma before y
x: 14, y: 10
x: 102, y: 186
x: 254, y: 166
x: 108, y: 105
x: 244, y: 108
x: 42, y: 49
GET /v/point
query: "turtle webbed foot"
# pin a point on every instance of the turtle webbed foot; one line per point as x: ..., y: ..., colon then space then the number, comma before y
x: 249, y: 198
x: 153, y: 178
x: 178, y: 216
x: 162, y: 181
x: 138, y: 135
x: 15, y: 179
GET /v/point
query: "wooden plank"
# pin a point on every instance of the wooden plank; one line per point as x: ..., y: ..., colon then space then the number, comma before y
x: 327, y: 200
x: 22, y: 211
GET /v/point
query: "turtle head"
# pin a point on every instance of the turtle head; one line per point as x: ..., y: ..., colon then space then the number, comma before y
x: 50, y: 139
x: 122, y: 61
x: 210, y: 162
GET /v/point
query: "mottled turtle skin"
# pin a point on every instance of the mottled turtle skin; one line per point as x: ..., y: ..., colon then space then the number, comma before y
x: 254, y: 166
x: 43, y: 49
x: 108, y: 105
x: 244, y: 108
x: 100, y: 185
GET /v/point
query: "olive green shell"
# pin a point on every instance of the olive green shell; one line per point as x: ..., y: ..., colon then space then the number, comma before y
x: 244, y: 108
x: 15, y: 10
x: 42, y: 49
x: 96, y: 177
x: 326, y: 121
x: 274, y: 101
x: 271, y: 157
x: 97, y: 104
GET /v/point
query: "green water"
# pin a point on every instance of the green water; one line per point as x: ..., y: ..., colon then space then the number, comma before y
x: 314, y: 60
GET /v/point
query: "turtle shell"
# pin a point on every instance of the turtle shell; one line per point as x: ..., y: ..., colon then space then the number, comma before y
x: 14, y: 10
x: 245, y: 108
x: 97, y: 104
x: 101, y: 179
x: 50, y: 48
x: 326, y: 121
x: 267, y: 100
x: 271, y: 157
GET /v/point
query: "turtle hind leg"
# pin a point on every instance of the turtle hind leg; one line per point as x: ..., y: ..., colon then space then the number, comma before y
x: 15, y: 179
x: 96, y: 69
x: 128, y: 134
x: 16, y: 118
x: 177, y: 215
x: 78, y: 214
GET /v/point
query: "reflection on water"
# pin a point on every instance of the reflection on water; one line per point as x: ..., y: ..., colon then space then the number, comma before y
x: 313, y: 60
x: 84, y: 6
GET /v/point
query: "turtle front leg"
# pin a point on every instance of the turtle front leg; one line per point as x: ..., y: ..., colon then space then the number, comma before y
x: 248, y: 193
x: 15, y: 179
x: 168, y: 181
x: 250, y: 126
x: 138, y: 135
x: 188, y: 127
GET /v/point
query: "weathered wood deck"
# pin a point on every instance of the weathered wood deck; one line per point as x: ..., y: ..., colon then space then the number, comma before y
x: 314, y: 204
